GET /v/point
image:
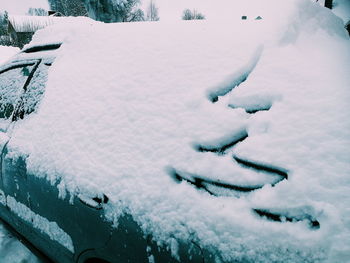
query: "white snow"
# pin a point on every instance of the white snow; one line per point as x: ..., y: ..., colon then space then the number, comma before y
x: 125, y: 104
x: 26, y: 23
x: 51, y: 229
x: 7, y: 52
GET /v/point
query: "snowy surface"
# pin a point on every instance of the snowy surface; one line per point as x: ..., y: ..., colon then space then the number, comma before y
x: 123, y: 114
x: 26, y: 23
x: 6, y: 53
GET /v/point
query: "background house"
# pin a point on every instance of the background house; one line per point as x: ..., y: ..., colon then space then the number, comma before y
x: 22, y: 28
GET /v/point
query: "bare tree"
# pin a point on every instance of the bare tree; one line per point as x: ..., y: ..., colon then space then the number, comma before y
x: 37, y: 12
x: 192, y: 15
x: 152, y: 12
x: 187, y: 14
x: 128, y: 11
x: 135, y: 16
x: 197, y: 15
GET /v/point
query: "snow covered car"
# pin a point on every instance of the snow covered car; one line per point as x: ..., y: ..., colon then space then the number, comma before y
x: 191, y: 142
x: 30, y: 205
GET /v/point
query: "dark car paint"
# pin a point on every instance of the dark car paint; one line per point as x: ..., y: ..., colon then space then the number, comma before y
x: 129, y: 244
x: 92, y: 235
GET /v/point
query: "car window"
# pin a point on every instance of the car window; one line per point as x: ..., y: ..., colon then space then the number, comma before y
x: 33, y: 92
x: 12, y: 82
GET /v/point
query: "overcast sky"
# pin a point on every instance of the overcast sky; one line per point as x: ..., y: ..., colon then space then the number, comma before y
x: 19, y: 7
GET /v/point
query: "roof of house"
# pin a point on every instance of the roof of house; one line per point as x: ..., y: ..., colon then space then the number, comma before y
x: 23, y: 24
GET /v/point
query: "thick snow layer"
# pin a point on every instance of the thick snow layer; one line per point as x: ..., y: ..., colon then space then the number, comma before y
x: 25, y: 23
x: 7, y: 52
x: 128, y: 107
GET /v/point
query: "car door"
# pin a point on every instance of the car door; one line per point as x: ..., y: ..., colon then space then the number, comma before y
x: 13, y: 80
x: 59, y: 227
x: 16, y: 181
x: 22, y: 85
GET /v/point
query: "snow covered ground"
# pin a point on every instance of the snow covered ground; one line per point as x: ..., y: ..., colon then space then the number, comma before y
x: 12, y: 250
x: 208, y: 100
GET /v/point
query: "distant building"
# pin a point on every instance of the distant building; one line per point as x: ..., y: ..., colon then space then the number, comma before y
x: 22, y: 28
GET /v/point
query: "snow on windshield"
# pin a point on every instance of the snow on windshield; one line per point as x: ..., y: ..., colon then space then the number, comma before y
x: 7, y: 52
x: 232, y: 135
